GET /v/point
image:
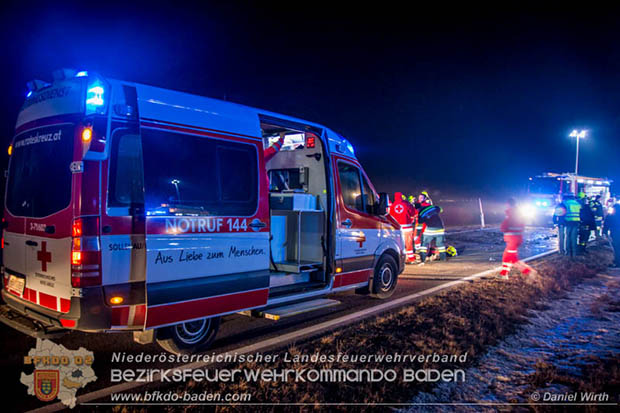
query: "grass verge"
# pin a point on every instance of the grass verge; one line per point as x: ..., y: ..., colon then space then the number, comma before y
x: 463, y: 320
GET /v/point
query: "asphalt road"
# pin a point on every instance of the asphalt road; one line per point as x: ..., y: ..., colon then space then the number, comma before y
x: 478, y: 251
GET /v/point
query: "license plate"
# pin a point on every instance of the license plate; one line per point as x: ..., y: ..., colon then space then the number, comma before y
x: 17, y: 284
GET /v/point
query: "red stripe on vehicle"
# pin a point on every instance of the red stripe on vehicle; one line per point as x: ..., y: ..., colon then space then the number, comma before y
x: 189, y: 310
x: 183, y: 125
x: 351, y: 278
x: 198, y: 132
x: 30, y: 295
x: 120, y: 315
x: 48, y: 301
x: 65, y: 305
x: 139, y: 315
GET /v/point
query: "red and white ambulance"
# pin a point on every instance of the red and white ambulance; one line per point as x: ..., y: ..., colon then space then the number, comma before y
x: 134, y: 208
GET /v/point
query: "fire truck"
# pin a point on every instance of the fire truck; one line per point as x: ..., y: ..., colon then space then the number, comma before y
x: 545, y: 191
x: 135, y: 208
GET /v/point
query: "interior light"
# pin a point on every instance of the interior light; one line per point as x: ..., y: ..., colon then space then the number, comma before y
x: 10, y: 150
x: 29, y: 94
x: 82, y: 73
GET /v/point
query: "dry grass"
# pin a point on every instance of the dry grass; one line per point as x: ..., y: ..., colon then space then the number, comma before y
x: 467, y: 319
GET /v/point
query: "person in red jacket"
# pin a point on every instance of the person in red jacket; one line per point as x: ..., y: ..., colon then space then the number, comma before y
x: 274, y: 148
x: 404, y: 214
x: 513, y: 228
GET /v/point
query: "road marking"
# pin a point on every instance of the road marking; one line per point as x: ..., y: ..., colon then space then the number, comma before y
x: 283, y: 339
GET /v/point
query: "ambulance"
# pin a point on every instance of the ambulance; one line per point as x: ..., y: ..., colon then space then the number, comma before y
x: 134, y: 208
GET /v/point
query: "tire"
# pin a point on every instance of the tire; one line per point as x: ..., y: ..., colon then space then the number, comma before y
x: 190, y: 337
x: 385, y: 277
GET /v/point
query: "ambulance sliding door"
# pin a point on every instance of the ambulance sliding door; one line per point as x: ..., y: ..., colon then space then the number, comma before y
x: 207, y: 224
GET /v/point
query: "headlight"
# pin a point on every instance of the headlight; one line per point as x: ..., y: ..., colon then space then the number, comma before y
x: 527, y: 211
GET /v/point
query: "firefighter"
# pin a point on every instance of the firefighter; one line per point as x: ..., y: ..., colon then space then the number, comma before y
x: 404, y: 214
x: 434, y: 231
x: 571, y: 220
x: 611, y: 229
x: 513, y: 227
x: 559, y: 219
x: 599, y: 213
x: 421, y: 203
x: 586, y: 223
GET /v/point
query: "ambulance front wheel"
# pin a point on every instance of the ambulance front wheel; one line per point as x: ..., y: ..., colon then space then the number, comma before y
x: 190, y: 337
x: 385, y: 277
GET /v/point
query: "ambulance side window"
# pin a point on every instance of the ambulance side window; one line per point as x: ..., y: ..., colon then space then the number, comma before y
x: 196, y: 175
x: 370, y: 200
x: 126, y: 172
x: 350, y: 186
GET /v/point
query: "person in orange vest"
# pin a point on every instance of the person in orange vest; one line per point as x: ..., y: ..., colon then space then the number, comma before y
x: 404, y: 214
x: 512, y: 227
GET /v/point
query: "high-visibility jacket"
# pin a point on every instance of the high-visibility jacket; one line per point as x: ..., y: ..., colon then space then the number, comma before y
x: 513, y: 225
x: 429, y: 215
x: 403, y: 212
x: 573, y: 210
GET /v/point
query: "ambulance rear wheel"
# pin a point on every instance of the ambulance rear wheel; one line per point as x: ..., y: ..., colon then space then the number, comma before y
x: 190, y: 337
x: 385, y: 277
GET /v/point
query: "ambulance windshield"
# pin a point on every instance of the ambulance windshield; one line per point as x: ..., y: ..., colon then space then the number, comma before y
x: 39, y: 180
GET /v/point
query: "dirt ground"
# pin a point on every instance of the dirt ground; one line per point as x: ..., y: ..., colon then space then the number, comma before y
x: 461, y: 321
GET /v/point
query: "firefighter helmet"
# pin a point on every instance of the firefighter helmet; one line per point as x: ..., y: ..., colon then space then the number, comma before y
x: 451, y: 251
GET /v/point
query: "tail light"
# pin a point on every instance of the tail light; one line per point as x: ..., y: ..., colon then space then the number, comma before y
x: 85, y: 252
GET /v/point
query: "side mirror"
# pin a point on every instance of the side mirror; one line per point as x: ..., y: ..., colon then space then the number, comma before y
x: 384, y: 200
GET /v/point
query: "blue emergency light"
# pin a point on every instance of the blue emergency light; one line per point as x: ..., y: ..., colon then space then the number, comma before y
x: 95, y: 102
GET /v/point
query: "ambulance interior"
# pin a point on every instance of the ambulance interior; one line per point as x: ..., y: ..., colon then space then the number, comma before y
x: 298, y: 201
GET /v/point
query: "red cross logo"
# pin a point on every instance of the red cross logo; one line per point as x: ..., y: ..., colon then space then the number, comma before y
x: 361, y: 240
x: 44, y: 256
x: 399, y: 209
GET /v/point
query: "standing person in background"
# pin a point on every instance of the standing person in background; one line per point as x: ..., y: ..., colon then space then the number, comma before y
x: 559, y: 219
x: 571, y: 220
x: 404, y: 214
x: 599, y: 213
x: 586, y: 223
x: 419, y: 204
x: 611, y: 229
x: 513, y: 227
x: 434, y: 231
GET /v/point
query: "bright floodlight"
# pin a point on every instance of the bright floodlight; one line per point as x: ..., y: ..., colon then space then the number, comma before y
x: 578, y: 134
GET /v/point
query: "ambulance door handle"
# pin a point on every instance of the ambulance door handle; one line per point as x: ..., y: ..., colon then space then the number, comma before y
x: 347, y: 223
x: 32, y: 243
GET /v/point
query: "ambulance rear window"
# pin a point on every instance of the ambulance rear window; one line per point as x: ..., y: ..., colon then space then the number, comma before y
x: 195, y: 175
x: 39, y: 181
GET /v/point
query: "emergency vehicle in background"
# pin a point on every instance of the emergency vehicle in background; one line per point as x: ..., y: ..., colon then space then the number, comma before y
x: 130, y: 207
x: 545, y: 191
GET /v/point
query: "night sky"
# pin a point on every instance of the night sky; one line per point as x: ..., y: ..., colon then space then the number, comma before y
x: 467, y: 102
